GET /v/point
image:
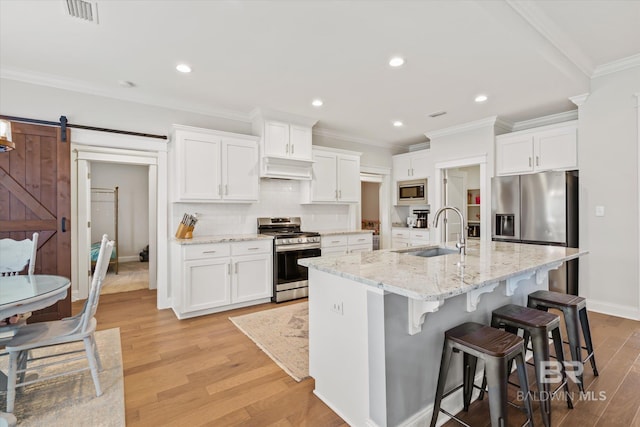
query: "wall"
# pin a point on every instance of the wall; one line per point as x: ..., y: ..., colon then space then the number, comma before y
x: 608, y: 158
x: 370, y: 195
x: 133, y: 206
x: 371, y: 155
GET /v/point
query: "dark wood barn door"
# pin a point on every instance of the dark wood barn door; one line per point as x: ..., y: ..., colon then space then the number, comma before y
x: 35, y: 196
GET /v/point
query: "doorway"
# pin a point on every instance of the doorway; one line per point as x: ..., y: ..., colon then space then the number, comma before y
x: 370, y: 209
x: 375, y: 193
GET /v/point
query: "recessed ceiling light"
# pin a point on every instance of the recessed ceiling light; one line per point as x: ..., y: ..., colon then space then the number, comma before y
x: 396, y: 61
x: 398, y: 123
x: 481, y: 98
x: 317, y: 103
x: 183, y: 68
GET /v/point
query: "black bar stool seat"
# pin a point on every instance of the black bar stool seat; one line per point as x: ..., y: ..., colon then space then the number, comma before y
x: 537, y: 325
x: 574, y: 309
x: 497, y: 349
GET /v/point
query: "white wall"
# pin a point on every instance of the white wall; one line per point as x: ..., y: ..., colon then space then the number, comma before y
x: 608, y: 158
x: 133, y: 206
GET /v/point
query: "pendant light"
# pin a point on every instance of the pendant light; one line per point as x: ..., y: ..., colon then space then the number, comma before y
x: 5, y: 136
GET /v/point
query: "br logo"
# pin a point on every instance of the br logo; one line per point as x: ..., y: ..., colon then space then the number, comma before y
x: 551, y: 371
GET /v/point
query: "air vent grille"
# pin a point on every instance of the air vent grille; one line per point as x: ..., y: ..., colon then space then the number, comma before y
x: 438, y: 113
x: 87, y: 10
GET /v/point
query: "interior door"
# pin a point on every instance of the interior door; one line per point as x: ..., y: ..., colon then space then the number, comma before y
x: 35, y: 196
x: 454, y: 193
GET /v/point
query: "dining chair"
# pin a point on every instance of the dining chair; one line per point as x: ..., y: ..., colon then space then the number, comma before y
x: 14, y: 256
x: 80, y: 328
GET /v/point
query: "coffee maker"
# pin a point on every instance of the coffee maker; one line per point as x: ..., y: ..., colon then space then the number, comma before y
x: 422, y: 215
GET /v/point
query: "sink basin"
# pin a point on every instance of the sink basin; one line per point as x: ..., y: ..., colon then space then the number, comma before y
x: 429, y: 252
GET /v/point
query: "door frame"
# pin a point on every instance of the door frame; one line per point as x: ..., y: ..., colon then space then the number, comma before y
x: 462, y: 175
x: 382, y: 175
x: 88, y: 146
x: 485, y: 208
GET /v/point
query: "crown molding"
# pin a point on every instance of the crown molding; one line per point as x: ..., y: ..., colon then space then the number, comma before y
x: 617, y: 65
x: 74, y: 85
x: 579, y: 100
x: 546, y: 120
x: 539, y: 21
x: 352, y: 138
x: 465, y: 127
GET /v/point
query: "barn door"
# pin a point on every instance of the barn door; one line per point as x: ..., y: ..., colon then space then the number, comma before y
x: 35, y: 195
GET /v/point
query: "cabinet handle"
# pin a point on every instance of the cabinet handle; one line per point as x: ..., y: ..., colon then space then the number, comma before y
x: 236, y: 268
x: 335, y: 241
x: 537, y: 160
x: 287, y: 149
x: 292, y: 147
x: 209, y: 252
x: 229, y: 269
x: 418, y: 235
x: 409, y: 172
x: 219, y: 189
x: 361, y: 240
x: 412, y: 172
x: 336, y: 194
x: 226, y: 189
x: 252, y: 249
x: 339, y: 194
x: 529, y: 161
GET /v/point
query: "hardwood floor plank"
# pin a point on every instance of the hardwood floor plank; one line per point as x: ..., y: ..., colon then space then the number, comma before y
x: 204, y: 371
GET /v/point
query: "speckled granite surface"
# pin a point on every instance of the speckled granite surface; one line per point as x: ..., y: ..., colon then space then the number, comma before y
x: 443, y: 276
x: 339, y: 232
x: 222, y: 238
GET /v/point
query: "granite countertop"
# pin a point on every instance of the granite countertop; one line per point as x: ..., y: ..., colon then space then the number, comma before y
x: 445, y: 276
x: 222, y: 238
x: 339, y: 232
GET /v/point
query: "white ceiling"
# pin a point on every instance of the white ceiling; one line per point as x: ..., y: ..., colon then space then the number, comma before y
x: 529, y: 57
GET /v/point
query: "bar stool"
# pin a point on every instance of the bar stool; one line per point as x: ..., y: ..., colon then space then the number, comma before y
x: 574, y: 309
x: 497, y: 348
x: 536, y: 325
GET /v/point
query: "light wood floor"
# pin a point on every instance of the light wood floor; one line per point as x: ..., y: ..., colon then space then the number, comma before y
x: 204, y: 371
x: 131, y: 277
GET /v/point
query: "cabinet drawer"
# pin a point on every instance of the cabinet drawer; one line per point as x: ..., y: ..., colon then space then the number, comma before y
x: 419, y: 236
x: 360, y: 239
x: 360, y: 248
x: 252, y: 247
x: 331, y: 241
x: 342, y: 250
x: 208, y: 250
x: 399, y: 234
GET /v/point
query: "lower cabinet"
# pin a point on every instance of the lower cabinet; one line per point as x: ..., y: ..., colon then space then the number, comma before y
x: 214, y: 277
x: 346, y: 243
x: 407, y: 237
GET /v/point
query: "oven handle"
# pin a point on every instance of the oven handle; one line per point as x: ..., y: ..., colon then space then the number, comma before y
x: 289, y: 248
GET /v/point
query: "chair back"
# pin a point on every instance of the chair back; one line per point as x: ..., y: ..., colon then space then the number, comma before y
x: 15, y: 254
x: 102, y: 264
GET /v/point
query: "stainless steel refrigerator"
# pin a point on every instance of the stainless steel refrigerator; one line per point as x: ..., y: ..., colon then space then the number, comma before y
x: 542, y: 209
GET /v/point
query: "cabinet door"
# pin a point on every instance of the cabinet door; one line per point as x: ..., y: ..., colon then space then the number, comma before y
x: 399, y: 243
x: 401, y: 168
x: 419, y: 165
x: 514, y: 155
x: 420, y: 237
x: 556, y: 149
x: 335, y: 250
x: 324, y: 187
x: 206, y: 284
x: 300, y: 142
x: 276, y: 139
x: 240, y: 178
x: 199, y: 167
x: 348, y: 179
x: 252, y: 278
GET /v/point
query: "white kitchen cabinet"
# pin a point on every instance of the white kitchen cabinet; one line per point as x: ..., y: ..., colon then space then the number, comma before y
x: 287, y: 140
x: 212, y: 277
x: 213, y: 166
x: 335, y: 177
x: 412, y: 165
x: 403, y: 237
x: 553, y: 147
x: 347, y: 243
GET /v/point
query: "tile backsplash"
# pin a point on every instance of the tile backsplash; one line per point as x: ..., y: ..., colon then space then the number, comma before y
x: 278, y: 197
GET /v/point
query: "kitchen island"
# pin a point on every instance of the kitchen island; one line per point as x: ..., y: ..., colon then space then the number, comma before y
x: 377, y: 321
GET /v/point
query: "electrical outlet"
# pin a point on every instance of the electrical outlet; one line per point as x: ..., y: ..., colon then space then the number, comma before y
x: 337, y: 307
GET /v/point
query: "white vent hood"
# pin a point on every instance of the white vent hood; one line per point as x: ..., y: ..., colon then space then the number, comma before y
x: 285, y: 144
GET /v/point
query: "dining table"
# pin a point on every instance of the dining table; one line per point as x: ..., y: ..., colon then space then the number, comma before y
x: 25, y: 293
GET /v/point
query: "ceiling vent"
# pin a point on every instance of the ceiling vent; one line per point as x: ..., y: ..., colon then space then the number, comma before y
x: 438, y: 113
x: 86, y: 10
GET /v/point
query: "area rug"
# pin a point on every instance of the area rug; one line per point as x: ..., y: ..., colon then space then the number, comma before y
x: 283, y: 334
x: 70, y: 400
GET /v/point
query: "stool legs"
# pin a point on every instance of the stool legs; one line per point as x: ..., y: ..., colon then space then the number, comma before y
x: 586, y: 331
x: 497, y: 369
x: 540, y: 347
x: 442, y: 379
x: 557, y: 344
x: 469, y: 375
x: 524, y: 385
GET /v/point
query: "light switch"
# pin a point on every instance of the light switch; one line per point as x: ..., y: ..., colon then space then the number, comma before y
x: 599, y: 210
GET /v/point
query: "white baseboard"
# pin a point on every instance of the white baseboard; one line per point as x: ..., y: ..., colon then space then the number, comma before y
x: 626, y: 311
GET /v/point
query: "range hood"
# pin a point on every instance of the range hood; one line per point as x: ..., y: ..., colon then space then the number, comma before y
x: 285, y: 168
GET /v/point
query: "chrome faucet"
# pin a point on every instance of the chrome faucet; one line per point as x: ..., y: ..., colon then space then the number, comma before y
x: 461, y: 243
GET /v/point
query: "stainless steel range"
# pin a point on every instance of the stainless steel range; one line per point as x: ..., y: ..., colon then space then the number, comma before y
x: 290, y: 280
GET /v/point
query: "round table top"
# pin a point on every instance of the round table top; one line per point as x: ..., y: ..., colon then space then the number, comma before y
x: 24, y: 288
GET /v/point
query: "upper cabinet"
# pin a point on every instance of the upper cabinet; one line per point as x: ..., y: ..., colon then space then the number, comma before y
x: 412, y: 165
x: 553, y: 147
x: 335, y: 177
x: 213, y: 166
x: 285, y: 142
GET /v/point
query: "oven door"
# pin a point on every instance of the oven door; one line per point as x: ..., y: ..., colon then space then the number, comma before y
x: 288, y: 274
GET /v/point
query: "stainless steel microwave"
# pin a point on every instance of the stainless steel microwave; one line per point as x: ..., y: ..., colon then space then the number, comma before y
x: 412, y: 192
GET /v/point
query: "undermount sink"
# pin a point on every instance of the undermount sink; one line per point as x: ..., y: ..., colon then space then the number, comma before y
x: 429, y: 252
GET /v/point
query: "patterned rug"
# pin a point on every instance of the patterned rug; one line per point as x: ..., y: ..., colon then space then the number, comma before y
x: 283, y: 334
x: 70, y: 400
